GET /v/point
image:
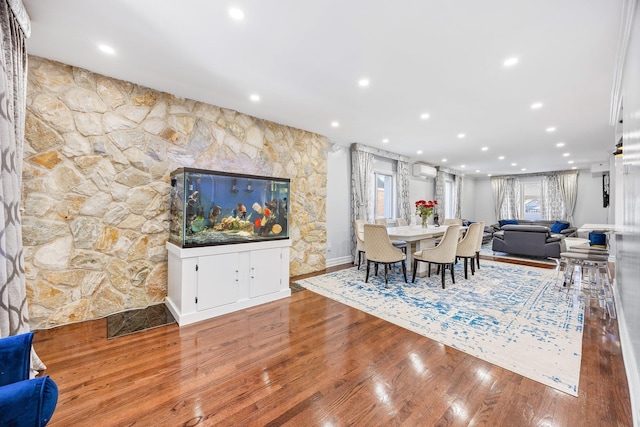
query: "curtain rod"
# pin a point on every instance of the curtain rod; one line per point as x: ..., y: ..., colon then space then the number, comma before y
x: 383, y: 153
x: 528, y: 175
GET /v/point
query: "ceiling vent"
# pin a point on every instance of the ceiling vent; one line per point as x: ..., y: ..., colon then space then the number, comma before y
x: 424, y: 171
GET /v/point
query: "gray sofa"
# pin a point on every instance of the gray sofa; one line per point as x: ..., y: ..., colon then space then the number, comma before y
x: 530, y: 240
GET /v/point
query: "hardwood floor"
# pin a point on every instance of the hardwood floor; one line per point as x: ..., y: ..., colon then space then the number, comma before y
x: 310, y: 361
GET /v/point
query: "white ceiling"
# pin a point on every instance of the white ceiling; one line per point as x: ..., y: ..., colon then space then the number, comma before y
x: 305, y: 58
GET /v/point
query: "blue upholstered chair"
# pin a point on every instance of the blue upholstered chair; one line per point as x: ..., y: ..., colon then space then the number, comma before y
x: 23, y: 401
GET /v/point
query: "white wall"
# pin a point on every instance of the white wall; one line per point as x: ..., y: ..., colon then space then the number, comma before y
x: 338, y: 207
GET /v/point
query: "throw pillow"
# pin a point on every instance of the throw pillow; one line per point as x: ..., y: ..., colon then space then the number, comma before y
x: 504, y: 222
x: 597, y: 239
x: 558, y: 226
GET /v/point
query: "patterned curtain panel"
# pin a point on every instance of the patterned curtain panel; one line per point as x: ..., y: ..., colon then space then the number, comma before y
x: 14, y: 314
x: 507, y: 197
x: 499, y: 187
x: 552, y: 203
x: 362, y: 194
x: 404, y: 207
x: 439, y: 194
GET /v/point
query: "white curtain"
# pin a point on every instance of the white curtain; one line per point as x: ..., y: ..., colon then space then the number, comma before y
x: 499, y: 187
x: 457, y: 191
x: 568, y: 183
x: 14, y: 313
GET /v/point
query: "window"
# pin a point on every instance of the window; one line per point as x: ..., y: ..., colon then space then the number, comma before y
x: 531, y: 198
x: 385, y: 198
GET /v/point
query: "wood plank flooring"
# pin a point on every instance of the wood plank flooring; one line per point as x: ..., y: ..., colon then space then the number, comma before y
x: 310, y: 361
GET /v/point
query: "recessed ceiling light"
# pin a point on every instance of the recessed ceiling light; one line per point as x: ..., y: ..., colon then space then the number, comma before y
x: 574, y: 167
x: 551, y: 129
x: 566, y: 154
x: 523, y: 169
x: 489, y: 174
x: 463, y: 166
x: 484, y: 148
x: 419, y: 152
x: 255, y: 97
x: 335, y: 124
x: 477, y: 170
x: 536, y: 105
x: 501, y: 158
x: 363, y: 82
x: 384, y: 141
x: 424, y: 116
x: 461, y: 135
x: 107, y: 49
x: 560, y: 144
x: 510, y: 62
x: 444, y: 160
x: 570, y: 162
x: 236, y: 14
x: 514, y: 164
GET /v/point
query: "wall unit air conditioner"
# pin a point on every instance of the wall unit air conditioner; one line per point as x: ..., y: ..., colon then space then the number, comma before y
x: 599, y: 169
x: 423, y: 170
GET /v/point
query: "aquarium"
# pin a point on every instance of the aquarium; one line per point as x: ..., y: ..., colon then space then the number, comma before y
x: 210, y: 208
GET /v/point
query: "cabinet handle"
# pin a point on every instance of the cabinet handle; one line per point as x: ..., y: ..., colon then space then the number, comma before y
x: 237, y: 276
x: 253, y: 272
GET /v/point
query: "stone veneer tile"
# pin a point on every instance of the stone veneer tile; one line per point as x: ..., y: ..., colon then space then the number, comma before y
x: 98, y: 154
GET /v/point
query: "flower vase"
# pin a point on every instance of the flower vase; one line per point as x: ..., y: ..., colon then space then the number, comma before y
x: 424, y: 221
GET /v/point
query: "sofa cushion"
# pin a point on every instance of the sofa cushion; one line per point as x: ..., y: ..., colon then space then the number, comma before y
x: 558, y: 226
x: 504, y: 222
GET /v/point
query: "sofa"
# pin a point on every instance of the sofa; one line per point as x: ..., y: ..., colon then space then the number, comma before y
x: 529, y: 240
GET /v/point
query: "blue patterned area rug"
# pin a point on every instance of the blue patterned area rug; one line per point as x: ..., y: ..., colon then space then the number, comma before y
x: 510, y: 315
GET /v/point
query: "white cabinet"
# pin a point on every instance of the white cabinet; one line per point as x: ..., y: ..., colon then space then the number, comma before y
x: 210, y: 281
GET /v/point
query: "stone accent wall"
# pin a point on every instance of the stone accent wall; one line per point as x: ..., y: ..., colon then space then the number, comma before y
x: 97, y: 159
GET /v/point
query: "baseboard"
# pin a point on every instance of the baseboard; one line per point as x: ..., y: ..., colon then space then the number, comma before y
x: 339, y: 261
x: 630, y: 362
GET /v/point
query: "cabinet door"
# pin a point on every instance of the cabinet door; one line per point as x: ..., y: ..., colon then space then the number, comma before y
x: 218, y: 277
x: 265, y: 272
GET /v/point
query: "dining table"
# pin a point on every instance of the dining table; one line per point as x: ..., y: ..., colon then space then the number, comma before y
x: 417, y: 238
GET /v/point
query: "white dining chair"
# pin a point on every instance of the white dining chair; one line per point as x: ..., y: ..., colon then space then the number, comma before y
x: 379, y: 250
x: 444, y: 254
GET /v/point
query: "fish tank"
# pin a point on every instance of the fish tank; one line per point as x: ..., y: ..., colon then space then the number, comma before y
x: 209, y: 208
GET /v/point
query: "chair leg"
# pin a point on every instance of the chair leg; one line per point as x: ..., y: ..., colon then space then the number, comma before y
x: 478, y: 259
x: 366, y: 280
x: 453, y: 277
x: 465, y: 267
x: 473, y: 267
x: 386, y: 283
x: 441, y: 274
x: 404, y: 270
x: 429, y: 270
x: 415, y: 266
x: 359, y: 258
